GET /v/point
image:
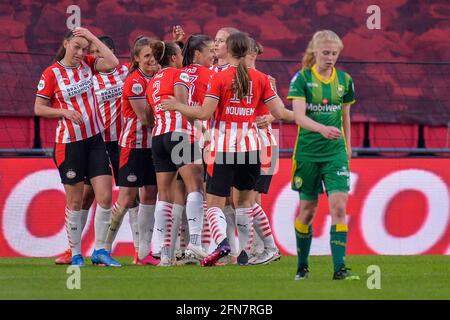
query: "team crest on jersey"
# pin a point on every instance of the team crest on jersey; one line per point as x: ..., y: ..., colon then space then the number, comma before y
x: 184, y: 76
x: 340, y: 90
x: 41, y: 84
x: 312, y: 84
x: 131, y: 177
x: 137, y: 88
x: 298, y: 182
x: 71, y: 174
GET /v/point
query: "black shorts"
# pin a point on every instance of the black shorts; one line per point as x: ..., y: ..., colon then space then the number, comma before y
x: 239, y: 170
x: 263, y: 183
x: 269, y: 156
x: 112, y: 148
x: 136, y: 168
x: 173, y: 150
x: 80, y: 160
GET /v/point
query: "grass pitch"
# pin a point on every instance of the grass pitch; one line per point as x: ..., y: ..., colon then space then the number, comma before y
x: 402, y: 277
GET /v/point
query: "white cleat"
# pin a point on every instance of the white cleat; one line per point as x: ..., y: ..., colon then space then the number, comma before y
x: 197, y: 251
x: 266, y: 257
x: 165, y: 262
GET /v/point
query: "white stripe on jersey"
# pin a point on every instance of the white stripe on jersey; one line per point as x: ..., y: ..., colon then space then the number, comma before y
x: 233, y: 137
x: 221, y: 141
x: 80, y: 103
x: 68, y: 104
x: 267, y: 137
x: 128, y: 122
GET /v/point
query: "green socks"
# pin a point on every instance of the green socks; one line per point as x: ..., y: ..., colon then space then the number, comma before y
x: 338, y: 244
x: 303, y: 235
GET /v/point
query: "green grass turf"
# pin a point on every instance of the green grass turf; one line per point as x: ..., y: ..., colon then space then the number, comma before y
x: 402, y: 277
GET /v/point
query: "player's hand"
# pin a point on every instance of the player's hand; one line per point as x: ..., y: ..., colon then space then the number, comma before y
x: 263, y: 122
x: 331, y: 133
x: 169, y: 104
x: 178, y: 33
x: 83, y: 32
x: 73, y: 116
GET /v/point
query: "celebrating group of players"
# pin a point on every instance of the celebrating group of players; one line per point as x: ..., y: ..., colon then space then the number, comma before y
x: 167, y: 121
x: 179, y: 115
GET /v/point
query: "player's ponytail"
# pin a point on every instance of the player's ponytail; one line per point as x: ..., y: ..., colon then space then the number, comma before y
x: 323, y: 35
x: 139, y: 43
x: 62, y: 51
x: 238, y: 47
x: 163, y: 51
x: 194, y: 43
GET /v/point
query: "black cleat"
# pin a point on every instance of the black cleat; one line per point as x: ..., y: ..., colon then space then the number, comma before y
x: 242, y: 259
x: 344, y: 274
x: 302, y: 273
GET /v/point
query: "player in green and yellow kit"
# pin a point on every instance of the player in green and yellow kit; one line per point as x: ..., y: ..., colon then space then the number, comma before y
x: 321, y: 97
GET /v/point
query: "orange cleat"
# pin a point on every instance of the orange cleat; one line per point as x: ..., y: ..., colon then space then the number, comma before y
x: 65, y: 258
x: 136, y: 257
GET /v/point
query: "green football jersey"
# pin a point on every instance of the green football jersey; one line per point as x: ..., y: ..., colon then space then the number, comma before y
x: 324, y: 100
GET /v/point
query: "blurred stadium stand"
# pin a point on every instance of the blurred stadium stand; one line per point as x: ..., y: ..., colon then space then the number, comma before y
x: 401, y: 73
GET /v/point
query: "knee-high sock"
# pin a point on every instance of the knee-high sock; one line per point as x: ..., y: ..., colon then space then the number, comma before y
x: 194, y: 213
x: 338, y: 244
x: 184, y: 232
x: 231, y: 228
x: 134, y: 225
x: 244, y: 222
x: 303, y: 236
x: 163, y: 226
x: 206, y: 232
x: 117, y: 215
x: 74, y: 230
x: 101, y: 225
x: 84, y: 216
x: 177, y: 213
x: 146, y: 222
x: 217, y: 223
x: 262, y: 226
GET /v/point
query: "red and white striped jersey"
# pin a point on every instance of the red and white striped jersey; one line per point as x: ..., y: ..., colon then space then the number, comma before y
x: 108, y: 91
x: 234, y: 128
x: 134, y: 134
x: 199, y: 77
x: 72, y: 88
x: 161, y: 87
x: 266, y: 135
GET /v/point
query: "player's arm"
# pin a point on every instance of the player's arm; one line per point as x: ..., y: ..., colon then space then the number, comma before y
x: 347, y: 128
x: 302, y: 120
x: 278, y: 110
x: 181, y: 94
x: 203, y: 113
x: 108, y: 61
x: 142, y: 110
x: 43, y: 109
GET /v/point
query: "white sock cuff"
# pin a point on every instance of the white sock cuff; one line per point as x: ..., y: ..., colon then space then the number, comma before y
x: 102, y: 213
x: 244, y: 211
x: 195, y: 196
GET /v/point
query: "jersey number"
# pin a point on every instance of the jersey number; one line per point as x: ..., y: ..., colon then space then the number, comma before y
x: 192, y: 79
x: 156, y: 88
x: 248, y: 97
